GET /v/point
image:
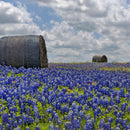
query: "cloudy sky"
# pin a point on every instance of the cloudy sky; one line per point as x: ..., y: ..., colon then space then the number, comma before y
x: 74, y: 30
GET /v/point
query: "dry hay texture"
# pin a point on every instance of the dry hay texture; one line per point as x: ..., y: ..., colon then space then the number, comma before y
x: 27, y: 51
x: 98, y: 58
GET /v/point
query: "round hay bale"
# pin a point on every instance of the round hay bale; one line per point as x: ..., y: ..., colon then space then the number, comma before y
x: 98, y: 58
x: 27, y: 51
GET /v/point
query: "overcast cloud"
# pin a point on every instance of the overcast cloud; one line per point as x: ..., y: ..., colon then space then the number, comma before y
x: 87, y: 28
x: 109, y: 19
x: 16, y: 20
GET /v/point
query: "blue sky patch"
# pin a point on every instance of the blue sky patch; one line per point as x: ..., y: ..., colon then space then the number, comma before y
x: 41, y: 15
x: 128, y: 1
x: 96, y: 35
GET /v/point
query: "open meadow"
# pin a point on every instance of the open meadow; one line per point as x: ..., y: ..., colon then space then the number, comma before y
x: 85, y: 96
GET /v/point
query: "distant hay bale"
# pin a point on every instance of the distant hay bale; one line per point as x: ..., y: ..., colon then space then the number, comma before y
x: 98, y: 58
x: 27, y: 51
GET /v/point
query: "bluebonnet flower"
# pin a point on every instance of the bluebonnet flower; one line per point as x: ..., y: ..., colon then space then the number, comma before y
x: 5, y: 118
x: 58, y: 105
x: 64, y: 109
x: 18, y: 128
x: 118, y: 121
x: 7, y: 127
x: 102, y: 123
x: 128, y: 126
x: 89, y: 125
x: 30, y: 119
x: 64, y: 90
x: 109, y: 108
x: 117, y: 128
x: 82, y: 102
x: 36, y: 113
x: 90, y: 103
x: 106, y: 103
x: 82, y: 114
x: 14, y: 116
x: 14, y: 109
x: 110, y: 120
x: 20, y: 122
x: 68, y: 125
x: 28, y: 111
x: 34, y: 102
x: 128, y: 96
x: 75, y: 123
x: 80, y: 108
x: 15, y: 124
x: 43, y: 100
x: 99, y: 95
x: 98, y: 110
x: 1, y: 127
x: 119, y: 115
x: 124, y: 123
x: 96, y: 114
x: 50, y: 119
x: 94, y: 106
x: 107, y: 126
x: 37, y: 128
x: 74, y: 106
x: 3, y: 108
x: 121, y: 92
x: 88, y: 117
x: 22, y: 110
x: 51, y: 127
x: 10, y: 121
x: 70, y: 114
x: 56, y: 117
x: 59, y: 122
x: 60, y: 94
x: 65, y: 117
x: 128, y: 108
x: 49, y: 110
x: 116, y: 107
x: 86, y: 107
x: 9, y: 100
x: 123, y: 107
x: 118, y: 100
x: 29, y: 101
x: 94, y: 100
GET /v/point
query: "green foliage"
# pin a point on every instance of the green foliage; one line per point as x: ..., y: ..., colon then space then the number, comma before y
x: 9, y: 74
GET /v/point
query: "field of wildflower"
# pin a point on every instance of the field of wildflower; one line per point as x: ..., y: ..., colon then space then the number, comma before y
x: 85, y: 96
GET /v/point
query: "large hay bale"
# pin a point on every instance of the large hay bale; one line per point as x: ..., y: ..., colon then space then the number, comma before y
x: 98, y: 58
x: 27, y: 51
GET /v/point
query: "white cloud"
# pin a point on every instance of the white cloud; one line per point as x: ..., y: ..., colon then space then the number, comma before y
x: 38, y: 18
x: 64, y: 43
x: 110, y: 19
x: 16, y: 20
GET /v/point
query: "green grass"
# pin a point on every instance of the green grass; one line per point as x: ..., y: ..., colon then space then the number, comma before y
x: 116, y: 69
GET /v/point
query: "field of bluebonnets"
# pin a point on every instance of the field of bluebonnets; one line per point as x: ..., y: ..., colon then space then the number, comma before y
x: 87, y: 96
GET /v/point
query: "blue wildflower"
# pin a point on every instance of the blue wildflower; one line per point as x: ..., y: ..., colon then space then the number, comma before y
x: 102, y: 123
x: 37, y: 128
x: 5, y: 118
x: 128, y: 108
x: 1, y: 127
x: 68, y: 125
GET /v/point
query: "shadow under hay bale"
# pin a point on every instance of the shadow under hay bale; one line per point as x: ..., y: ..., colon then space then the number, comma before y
x: 98, y: 58
x: 27, y: 51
